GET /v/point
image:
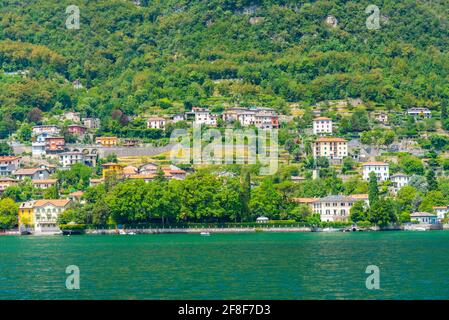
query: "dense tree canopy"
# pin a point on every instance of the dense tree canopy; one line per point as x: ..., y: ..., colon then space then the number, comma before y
x: 169, y: 54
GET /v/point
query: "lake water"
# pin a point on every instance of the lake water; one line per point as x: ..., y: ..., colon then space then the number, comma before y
x: 413, y: 265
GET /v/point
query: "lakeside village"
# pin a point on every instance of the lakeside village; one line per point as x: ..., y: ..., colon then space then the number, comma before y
x: 341, y: 164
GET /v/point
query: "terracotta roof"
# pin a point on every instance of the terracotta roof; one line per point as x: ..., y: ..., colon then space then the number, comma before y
x: 76, y: 194
x: 130, y: 170
x: 375, y: 163
x: 45, y: 181
x: 96, y: 180
x: 321, y: 118
x: 27, y: 172
x: 441, y: 207
x: 173, y: 171
x: 9, y: 158
x: 7, y: 180
x: 330, y: 139
x: 55, y: 202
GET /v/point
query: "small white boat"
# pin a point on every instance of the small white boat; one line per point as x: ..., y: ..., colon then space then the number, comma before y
x: 206, y: 234
x: 124, y: 233
x: 420, y: 229
x: 330, y: 230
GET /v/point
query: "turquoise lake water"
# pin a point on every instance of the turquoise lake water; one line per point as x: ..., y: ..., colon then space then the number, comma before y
x: 413, y: 265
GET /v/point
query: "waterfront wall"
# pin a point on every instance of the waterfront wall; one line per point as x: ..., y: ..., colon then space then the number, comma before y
x: 199, y: 230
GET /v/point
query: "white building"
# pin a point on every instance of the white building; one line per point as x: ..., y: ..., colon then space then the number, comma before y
x: 156, y: 123
x: 263, y: 118
x: 204, y: 116
x: 441, y: 211
x: 322, y: 126
x: 178, y: 117
x: 45, y: 184
x: 9, y: 164
x: 266, y: 118
x: 38, y: 144
x: 331, y: 148
x: 68, y: 159
x: 333, y: 208
x: 424, y: 218
x: 399, y: 180
x: 419, y: 113
x: 49, y: 130
x: 381, y: 169
x: 46, y: 213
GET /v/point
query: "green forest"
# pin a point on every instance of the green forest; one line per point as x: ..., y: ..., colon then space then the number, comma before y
x: 165, y: 56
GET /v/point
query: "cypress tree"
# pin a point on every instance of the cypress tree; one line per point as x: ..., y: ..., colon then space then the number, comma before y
x: 245, y: 192
x: 432, y: 183
x: 373, y: 190
x: 444, y: 114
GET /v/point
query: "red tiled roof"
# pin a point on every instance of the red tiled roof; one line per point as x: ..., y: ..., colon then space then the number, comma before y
x: 9, y: 158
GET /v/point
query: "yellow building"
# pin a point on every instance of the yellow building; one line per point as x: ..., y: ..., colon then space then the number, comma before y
x: 110, y: 169
x: 330, y: 147
x: 26, y: 214
x: 107, y: 141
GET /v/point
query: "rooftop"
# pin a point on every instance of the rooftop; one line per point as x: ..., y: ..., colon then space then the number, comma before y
x: 421, y: 215
x: 45, y: 181
x: 54, y: 202
x: 27, y: 172
x: 375, y: 163
x: 9, y: 158
x: 330, y: 139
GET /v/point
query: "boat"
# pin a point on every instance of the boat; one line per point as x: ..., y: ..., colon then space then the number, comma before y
x: 420, y: 229
x: 124, y: 233
x: 351, y: 229
x: 330, y: 230
x: 206, y: 234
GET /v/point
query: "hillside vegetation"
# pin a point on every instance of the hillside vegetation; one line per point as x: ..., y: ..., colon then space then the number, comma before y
x: 168, y: 55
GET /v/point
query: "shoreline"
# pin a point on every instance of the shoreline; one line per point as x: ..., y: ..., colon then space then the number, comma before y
x: 417, y: 227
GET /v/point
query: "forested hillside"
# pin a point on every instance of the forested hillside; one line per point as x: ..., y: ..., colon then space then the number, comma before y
x: 163, y: 56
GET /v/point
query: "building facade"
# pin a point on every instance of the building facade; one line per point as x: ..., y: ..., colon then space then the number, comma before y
x: 424, y: 218
x: 322, y: 126
x: 399, y: 180
x: 330, y: 147
x: 76, y: 129
x: 92, y: 123
x: 54, y: 145
x: 441, y: 211
x: 68, y: 159
x: 32, y: 173
x: 419, y: 113
x: 333, y: 208
x: 8, y: 165
x: 381, y: 169
x: 203, y: 116
x: 50, y: 130
x: 107, y: 141
x: 156, y: 123
x: 46, y: 213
